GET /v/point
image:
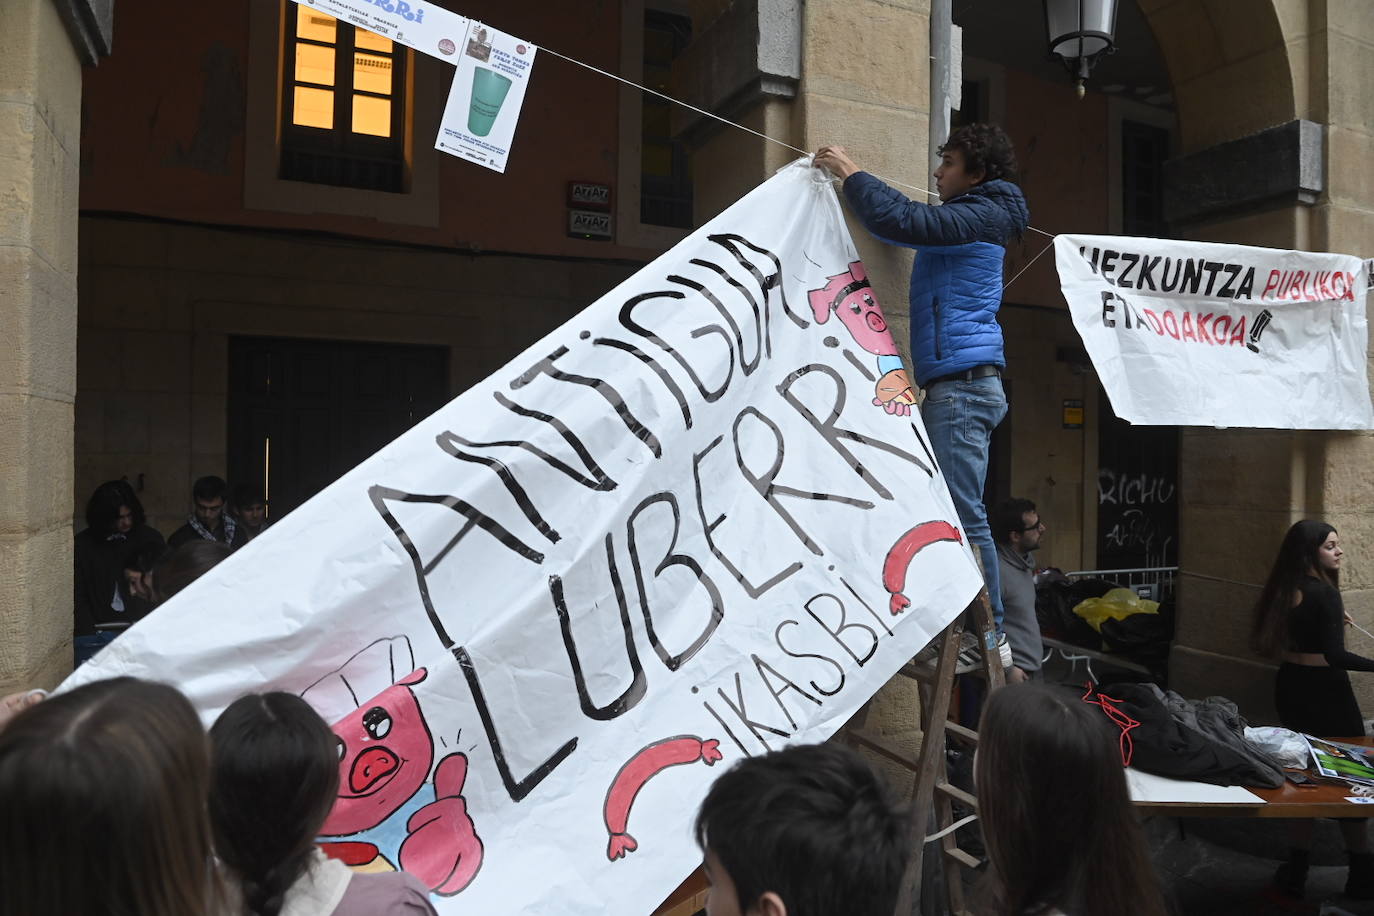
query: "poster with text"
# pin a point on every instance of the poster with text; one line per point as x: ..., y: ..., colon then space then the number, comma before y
x: 1203, y: 334
x: 699, y: 521
x: 485, y: 97
x: 426, y: 27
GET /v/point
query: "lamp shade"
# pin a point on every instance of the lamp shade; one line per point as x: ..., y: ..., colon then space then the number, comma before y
x: 1080, y: 30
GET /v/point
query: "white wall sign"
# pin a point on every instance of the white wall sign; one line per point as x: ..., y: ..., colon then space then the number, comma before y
x: 485, y: 97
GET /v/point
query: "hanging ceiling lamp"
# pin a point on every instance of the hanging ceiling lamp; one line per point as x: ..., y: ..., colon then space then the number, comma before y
x: 1080, y: 31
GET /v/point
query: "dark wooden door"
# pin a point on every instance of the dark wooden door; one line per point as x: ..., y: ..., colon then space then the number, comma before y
x: 1137, y: 493
x: 303, y: 412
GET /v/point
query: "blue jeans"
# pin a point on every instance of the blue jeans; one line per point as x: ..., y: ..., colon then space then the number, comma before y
x: 960, y: 416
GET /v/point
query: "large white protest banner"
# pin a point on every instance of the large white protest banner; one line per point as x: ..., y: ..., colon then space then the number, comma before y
x: 697, y: 522
x: 1204, y: 334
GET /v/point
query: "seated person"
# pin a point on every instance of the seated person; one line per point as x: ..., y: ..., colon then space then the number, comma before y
x: 107, y: 597
x: 805, y: 831
x: 274, y: 776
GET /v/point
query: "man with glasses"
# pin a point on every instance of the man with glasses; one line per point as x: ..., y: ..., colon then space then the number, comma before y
x: 1017, y: 528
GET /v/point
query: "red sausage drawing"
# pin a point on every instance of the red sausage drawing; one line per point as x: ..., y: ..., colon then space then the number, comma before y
x: 638, y: 770
x: 907, y: 546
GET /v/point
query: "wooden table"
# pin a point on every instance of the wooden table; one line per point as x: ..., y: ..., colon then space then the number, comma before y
x: 1325, y: 799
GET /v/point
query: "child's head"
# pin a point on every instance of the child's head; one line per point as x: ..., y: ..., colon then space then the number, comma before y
x: 274, y: 774
x: 805, y: 831
x: 103, y: 793
x: 1046, y: 759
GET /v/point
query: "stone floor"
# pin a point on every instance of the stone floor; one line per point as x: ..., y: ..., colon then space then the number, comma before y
x: 1222, y: 866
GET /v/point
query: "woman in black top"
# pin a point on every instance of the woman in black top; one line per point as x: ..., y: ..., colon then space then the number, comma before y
x: 1300, y: 622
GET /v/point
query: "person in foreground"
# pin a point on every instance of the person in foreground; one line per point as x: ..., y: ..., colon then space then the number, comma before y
x: 1047, y: 761
x: 274, y: 777
x: 1300, y: 622
x: 955, y: 293
x: 102, y: 805
x: 805, y: 831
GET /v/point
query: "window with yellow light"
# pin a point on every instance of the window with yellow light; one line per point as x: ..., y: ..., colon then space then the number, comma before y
x: 343, y: 103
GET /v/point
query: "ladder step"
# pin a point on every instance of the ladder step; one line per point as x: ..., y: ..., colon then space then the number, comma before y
x: 884, y: 746
x: 925, y: 671
x: 964, y: 798
x: 966, y: 735
x: 962, y: 857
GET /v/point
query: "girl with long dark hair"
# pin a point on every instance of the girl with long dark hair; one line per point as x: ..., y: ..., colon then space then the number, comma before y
x: 107, y: 597
x: 102, y: 805
x: 1300, y: 622
x: 1046, y: 759
x: 274, y: 777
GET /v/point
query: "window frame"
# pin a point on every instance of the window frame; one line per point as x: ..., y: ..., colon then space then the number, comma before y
x: 264, y: 189
x: 341, y: 142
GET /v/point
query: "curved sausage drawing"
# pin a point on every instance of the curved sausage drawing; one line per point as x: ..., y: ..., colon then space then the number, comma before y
x: 907, y: 546
x: 637, y: 771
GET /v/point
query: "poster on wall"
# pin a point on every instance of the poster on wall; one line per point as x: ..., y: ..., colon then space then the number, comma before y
x: 426, y: 27
x: 698, y: 522
x: 485, y: 97
x: 1205, y: 334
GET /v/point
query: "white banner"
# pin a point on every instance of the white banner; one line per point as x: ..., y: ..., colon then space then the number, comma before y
x: 485, y: 97
x: 426, y: 27
x: 697, y: 522
x: 1202, y: 334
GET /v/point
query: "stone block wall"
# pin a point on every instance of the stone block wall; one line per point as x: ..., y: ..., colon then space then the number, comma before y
x: 160, y: 302
x: 40, y: 115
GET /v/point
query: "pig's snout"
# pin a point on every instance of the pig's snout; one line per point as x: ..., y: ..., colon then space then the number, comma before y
x: 372, y: 766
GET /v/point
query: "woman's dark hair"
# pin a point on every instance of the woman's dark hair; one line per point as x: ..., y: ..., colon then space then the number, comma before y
x: 1047, y: 758
x: 102, y: 509
x: 986, y: 148
x: 102, y: 791
x: 811, y: 823
x: 180, y: 567
x: 1297, y: 558
x: 274, y: 774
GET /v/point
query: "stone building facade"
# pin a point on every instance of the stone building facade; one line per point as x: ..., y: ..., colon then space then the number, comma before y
x: 131, y: 352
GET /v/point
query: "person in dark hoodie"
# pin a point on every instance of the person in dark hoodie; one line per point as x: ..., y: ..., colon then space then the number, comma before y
x: 107, y: 553
x: 956, y: 290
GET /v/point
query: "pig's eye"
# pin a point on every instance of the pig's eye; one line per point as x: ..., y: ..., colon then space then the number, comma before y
x: 377, y: 722
x: 868, y: 301
x: 340, y: 742
x: 855, y: 307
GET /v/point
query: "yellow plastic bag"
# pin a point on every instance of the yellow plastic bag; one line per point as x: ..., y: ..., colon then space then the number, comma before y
x: 1118, y: 604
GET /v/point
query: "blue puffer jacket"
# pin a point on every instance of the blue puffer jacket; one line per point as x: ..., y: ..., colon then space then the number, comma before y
x: 956, y: 282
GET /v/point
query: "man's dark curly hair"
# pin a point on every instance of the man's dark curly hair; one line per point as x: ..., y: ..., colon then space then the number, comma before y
x: 986, y: 149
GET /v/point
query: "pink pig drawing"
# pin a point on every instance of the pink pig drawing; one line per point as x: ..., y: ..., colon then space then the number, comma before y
x: 381, y: 816
x: 850, y: 296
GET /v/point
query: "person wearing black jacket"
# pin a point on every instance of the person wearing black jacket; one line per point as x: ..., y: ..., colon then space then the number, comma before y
x: 108, y: 553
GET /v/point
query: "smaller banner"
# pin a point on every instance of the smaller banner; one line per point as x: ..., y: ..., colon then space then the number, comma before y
x: 485, y: 97
x: 426, y: 27
x: 1201, y: 334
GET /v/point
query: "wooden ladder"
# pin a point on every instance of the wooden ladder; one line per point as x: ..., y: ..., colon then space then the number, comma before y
x: 935, y: 671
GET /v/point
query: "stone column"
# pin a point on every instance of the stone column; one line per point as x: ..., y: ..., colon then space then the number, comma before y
x: 850, y: 72
x: 43, y: 44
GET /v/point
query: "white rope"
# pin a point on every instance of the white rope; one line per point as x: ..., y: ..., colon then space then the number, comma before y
x: 760, y: 135
x: 951, y: 828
